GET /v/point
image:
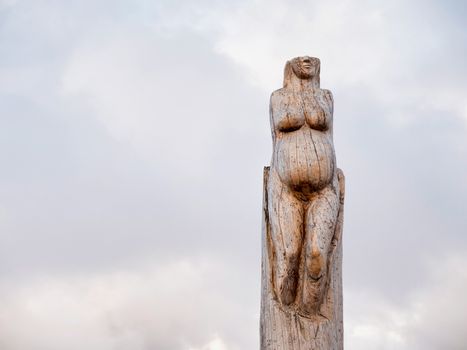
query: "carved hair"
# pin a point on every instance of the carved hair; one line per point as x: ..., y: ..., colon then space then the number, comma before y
x: 291, y: 79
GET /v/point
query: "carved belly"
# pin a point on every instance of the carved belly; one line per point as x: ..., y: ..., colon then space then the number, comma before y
x: 304, y: 159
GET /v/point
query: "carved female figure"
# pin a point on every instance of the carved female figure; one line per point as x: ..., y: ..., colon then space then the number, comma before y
x: 303, y: 189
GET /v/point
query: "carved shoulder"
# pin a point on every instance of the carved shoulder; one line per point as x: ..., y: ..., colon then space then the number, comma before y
x: 277, y: 105
x: 277, y: 97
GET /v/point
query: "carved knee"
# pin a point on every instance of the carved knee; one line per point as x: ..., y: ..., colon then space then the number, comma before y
x: 315, y: 263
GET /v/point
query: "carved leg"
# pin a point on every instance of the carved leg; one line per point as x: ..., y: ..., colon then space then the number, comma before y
x: 321, y: 218
x: 286, y: 229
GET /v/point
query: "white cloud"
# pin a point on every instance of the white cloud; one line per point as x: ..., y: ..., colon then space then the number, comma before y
x: 215, y: 344
x: 383, y: 49
x: 181, y: 305
x: 341, y: 33
x: 192, y: 305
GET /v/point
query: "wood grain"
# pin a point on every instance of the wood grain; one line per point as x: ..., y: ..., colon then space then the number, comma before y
x: 301, y: 301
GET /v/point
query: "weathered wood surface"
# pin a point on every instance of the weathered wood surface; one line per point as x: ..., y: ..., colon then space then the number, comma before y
x: 301, y: 301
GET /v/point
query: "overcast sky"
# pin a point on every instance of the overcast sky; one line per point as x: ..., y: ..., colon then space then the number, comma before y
x: 133, y: 137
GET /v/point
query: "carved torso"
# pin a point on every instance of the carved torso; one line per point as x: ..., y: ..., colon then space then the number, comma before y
x: 303, y: 153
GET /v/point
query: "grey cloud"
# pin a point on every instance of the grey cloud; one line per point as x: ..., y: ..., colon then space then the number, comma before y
x: 399, y: 202
x: 90, y: 193
x: 431, y: 318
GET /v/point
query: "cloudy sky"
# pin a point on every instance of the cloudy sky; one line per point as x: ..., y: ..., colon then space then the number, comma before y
x: 133, y: 136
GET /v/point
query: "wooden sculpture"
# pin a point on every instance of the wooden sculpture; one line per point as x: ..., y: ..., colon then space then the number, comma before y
x: 301, y: 305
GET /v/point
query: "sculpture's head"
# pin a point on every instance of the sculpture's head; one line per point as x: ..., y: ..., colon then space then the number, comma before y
x: 302, y: 68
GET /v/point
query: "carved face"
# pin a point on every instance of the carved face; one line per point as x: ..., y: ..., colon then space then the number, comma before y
x: 305, y: 67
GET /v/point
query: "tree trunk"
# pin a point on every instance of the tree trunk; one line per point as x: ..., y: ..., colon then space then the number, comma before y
x: 285, y: 328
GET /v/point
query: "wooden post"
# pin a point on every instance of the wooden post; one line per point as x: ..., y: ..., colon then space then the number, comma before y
x: 301, y: 299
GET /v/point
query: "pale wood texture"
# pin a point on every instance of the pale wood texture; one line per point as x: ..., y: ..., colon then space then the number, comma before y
x: 301, y: 301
